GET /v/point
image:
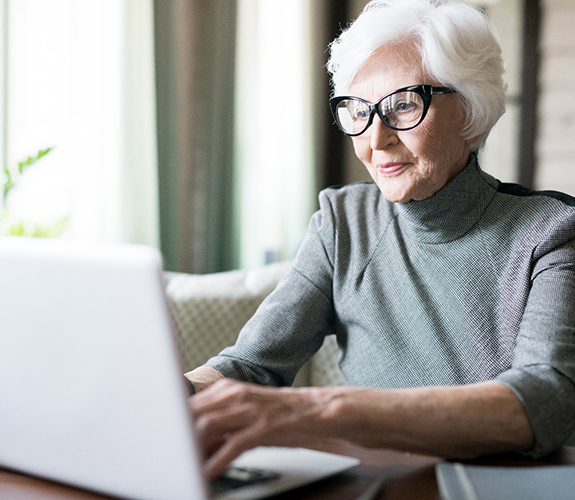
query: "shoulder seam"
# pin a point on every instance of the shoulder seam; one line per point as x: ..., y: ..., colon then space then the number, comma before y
x: 342, y: 186
x: 518, y: 190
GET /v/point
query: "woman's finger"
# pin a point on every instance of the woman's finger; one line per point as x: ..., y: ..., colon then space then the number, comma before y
x: 233, y: 446
x: 218, y: 423
x: 223, y: 393
x: 232, y: 417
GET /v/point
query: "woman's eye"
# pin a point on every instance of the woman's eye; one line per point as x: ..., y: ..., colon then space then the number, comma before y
x: 404, y: 107
x: 361, y: 114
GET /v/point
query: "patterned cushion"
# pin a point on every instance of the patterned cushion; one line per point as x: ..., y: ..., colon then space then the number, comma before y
x: 324, y: 370
x: 210, y: 310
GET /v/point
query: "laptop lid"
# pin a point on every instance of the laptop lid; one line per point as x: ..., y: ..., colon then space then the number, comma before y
x: 91, y: 391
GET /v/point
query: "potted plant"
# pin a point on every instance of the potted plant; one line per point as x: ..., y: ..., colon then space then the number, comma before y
x: 14, y: 226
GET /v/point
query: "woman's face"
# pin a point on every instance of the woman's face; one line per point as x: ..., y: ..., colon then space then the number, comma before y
x: 412, y: 164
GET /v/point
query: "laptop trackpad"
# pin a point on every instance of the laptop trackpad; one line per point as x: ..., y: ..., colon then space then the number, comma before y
x: 277, y: 469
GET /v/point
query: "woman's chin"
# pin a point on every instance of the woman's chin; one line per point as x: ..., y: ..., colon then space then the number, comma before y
x: 394, y: 195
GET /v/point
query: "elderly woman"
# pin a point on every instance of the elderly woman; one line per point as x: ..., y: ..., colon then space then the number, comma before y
x: 451, y: 294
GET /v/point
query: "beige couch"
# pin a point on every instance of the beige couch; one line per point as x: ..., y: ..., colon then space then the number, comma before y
x: 210, y: 310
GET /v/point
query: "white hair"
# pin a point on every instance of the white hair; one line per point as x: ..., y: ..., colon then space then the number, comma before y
x: 457, y: 45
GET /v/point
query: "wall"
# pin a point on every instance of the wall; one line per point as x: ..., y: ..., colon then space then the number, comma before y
x: 500, y: 157
x: 556, y: 142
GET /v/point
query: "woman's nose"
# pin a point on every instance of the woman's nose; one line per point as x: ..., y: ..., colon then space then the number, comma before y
x: 381, y: 135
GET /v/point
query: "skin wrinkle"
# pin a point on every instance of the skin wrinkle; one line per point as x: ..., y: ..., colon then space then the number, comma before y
x: 232, y: 410
x: 360, y: 414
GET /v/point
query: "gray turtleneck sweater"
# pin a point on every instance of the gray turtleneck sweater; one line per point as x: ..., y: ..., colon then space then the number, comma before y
x: 475, y: 283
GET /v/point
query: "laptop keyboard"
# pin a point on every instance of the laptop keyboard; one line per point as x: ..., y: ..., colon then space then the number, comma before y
x: 235, y: 477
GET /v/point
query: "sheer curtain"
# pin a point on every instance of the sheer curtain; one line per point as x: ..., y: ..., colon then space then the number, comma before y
x: 3, y: 80
x: 276, y: 126
x: 78, y: 77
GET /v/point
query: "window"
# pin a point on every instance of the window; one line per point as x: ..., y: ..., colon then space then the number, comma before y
x: 78, y: 77
x: 274, y: 137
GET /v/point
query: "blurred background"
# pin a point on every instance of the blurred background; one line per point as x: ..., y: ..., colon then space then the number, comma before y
x: 201, y: 126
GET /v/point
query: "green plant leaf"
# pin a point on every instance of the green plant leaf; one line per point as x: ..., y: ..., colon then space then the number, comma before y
x: 8, y: 184
x: 23, y: 165
x: 54, y: 230
x: 44, y: 152
x: 11, y: 177
x: 26, y: 228
x: 16, y: 229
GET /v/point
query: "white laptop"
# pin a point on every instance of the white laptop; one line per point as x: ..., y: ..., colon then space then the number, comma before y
x: 91, y: 388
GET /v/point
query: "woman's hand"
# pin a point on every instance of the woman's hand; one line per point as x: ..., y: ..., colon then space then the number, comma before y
x: 202, y: 377
x: 455, y: 422
x: 232, y: 417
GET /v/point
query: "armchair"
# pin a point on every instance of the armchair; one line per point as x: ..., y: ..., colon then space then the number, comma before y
x: 210, y: 310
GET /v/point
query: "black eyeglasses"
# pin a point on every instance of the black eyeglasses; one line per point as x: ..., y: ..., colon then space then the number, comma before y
x: 402, y: 109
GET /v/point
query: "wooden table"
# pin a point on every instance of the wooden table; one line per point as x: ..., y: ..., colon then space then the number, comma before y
x: 407, y: 476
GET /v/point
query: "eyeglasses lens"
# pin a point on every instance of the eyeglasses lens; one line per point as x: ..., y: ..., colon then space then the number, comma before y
x: 402, y: 110
x: 353, y: 116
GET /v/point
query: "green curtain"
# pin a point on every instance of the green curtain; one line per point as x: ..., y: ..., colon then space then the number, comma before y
x: 195, y: 46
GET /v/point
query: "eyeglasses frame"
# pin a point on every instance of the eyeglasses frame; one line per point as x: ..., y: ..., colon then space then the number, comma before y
x: 425, y: 91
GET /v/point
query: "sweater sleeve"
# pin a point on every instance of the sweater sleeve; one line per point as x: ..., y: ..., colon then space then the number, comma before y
x: 543, y: 371
x: 292, y: 322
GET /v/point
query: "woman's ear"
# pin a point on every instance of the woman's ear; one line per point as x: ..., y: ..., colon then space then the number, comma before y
x: 471, y: 142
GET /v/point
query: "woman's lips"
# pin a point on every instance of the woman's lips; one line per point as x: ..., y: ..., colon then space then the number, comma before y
x: 390, y: 167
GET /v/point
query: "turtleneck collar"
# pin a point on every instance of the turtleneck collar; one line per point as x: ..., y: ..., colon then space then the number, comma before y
x: 452, y: 211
